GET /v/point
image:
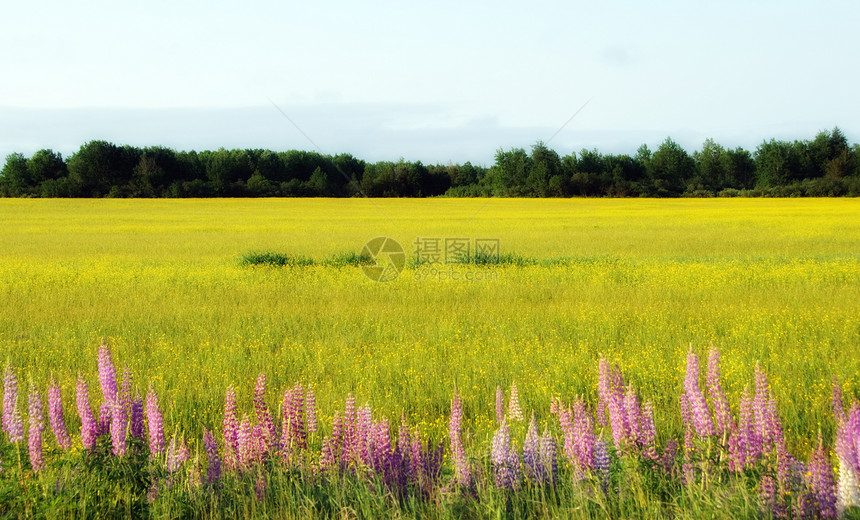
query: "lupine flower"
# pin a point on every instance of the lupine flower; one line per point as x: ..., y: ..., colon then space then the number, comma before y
x: 848, y: 451
x: 246, y: 443
x: 821, y: 482
x: 37, y: 426
x: 584, y: 439
x: 633, y: 413
x: 745, y: 443
x: 124, y: 395
x: 13, y: 423
x: 89, y: 429
x: 118, y: 428
x: 500, y: 405
x: 548, y: 458
x: 514, y: 410
x: 362, y: 437
x: 722, y: 412
x: 506, y: 462
x: 293, y: 437
x: 699, y: 412
x: 155, y: 422
x: 767, y: 492
x: 311, y: 410
x: 601, y: 463
x: 531, y: 453
x: 55, y: 415
x: 214, y: 469
x: 105, y: 417
x: 764, y: 409
x: 648, y: 432
x: 137, y: 417
x: 458, y: 453
x: 669, y: 454
x: 231, y: 430
x: 107, y: 374
x: 264, y: 419
x: 332, y: 446
x: 611, y: 398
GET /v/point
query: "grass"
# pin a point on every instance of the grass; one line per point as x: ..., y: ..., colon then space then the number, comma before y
x: 773, y: 281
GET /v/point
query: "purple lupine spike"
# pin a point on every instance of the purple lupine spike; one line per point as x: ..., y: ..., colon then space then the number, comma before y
x: 601, y: 463
x: 124, y: 395
x: 349, y: 426
x: 136, y: 420
x: 760, y: 408
x: 553, y: 406
x: 37, y: 426
x: 514, y: 410
x: 381, y: 443
x: 687, y: 416
x: 565, y: 421
x: 583, y: 437
x: 633, y: 413
x: 699, y: 411
x: 258, y: 443
x: 213, y: 473
x: 231, y: 430
x: 246, y: 443
x: 362, y: 437
x: 531, y: 453
x: 462, y: 469
x: 722, y: 412
x: 264, y: 419
x: 118, y: 426
x: 105, y: 417
x: 330, y: 458
x: 548, y: 458
x: 13, y: 423
x: 55, y: 415
x: 618, y: 419
x: 836, y: 403
x: 822, y: 484
x: 774, y: 425
x: 669, y: 454
x: 745, y: 447
x: 603, y: 390
x: 500, y: 405
x: 89, y: 429
x: 767, y: 492
x: 155, y: 423
x: 648, y: 432
x: 505, y: 466
x: 311, y: 410
x: 107, y: 374
x: 294, y: 434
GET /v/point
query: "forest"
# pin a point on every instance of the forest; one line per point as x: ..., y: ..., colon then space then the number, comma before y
x: 826, y: 165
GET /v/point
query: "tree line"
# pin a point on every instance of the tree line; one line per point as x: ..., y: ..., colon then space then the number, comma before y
x: 824, y: 166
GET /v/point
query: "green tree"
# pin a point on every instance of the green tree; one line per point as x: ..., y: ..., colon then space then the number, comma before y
x: 670, y: 167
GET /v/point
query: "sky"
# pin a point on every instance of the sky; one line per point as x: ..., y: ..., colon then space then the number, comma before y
x: 432, y: 81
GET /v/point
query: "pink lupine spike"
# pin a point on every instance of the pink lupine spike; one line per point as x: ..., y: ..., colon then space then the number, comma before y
x: 37, y: 426
x: 55, y: 415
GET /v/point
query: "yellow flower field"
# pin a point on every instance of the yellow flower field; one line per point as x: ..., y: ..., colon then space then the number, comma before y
x: 638, y: 281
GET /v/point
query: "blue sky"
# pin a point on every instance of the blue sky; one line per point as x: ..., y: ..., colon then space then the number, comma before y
x: 431, y: 81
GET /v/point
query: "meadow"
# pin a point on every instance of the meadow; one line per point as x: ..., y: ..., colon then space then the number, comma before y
x: 637, y: 282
